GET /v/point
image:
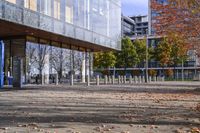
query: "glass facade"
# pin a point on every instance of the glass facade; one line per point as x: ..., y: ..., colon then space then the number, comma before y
x: 99, y: 19
x: 43, y: 60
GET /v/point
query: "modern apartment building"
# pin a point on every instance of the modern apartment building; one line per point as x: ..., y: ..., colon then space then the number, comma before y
x: 152, y: 15
x: 128, y: 26
x: 191, y: 66
x: 135, y: 26
x: 57, y: 36
x: 141, y: 25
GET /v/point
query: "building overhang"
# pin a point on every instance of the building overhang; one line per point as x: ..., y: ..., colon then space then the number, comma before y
x: 11, y: 30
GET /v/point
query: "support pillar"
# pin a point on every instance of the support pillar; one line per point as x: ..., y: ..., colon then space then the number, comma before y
x: 72, y: 68
x: 83, y: 68
x: 1, y: 64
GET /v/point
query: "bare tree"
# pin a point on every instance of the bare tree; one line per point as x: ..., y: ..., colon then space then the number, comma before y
x: 41, y: 58
x: 30, y: 59
x: 58, y: 61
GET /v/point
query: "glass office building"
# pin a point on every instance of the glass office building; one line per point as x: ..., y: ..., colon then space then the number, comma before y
x: 58, y: 36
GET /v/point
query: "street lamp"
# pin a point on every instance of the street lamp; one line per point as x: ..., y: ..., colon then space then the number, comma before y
x: 147, y: 62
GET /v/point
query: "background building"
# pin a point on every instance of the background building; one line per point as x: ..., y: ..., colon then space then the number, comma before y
x: 135, y: 26
x: 141, y: 25
x: 128, y: 26
x: 58, y: 36
x: 191, y: 66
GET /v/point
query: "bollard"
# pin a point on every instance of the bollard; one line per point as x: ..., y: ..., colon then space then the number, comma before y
x: 150, y: 79
x: 56, y: 77
x: 105, y: 79
x: 163, y: 79
x: 88, y: 80
x: 124, y: 79
x: 130, y: 79
x: 110, y: 77
x: 72, y: 80
x: 154, y: 78
x: 139, y: 79
x: 119, y: 79
x: 97, y: 80
x: 113, y: 79
x: 135, y: 79
x: 43, y: 82
x: 143, y: 79
x: 158, y: 78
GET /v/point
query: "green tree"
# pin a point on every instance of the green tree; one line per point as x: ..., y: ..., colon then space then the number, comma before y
x: 104, y: 60
x: 140, y: 46
x: 128, y: 56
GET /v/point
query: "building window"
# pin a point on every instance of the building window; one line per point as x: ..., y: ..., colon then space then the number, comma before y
x: 45, y: 7
x: 31, y: 4
x: 69, y: 11
x: 57, y: 9
x: 12, y: 1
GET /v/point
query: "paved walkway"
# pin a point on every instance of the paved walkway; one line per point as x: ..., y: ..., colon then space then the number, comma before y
x: 154, y: 108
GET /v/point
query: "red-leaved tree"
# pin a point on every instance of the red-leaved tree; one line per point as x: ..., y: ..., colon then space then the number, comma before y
x: 178, y: 16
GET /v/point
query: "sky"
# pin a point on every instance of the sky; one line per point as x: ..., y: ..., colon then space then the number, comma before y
x: 134, y: 7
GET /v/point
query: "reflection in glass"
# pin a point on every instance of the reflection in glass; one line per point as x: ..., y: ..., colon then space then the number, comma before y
x: 69, y: 11
x: 45, y: 7
x: 31, y: 4
x: 57, y: 9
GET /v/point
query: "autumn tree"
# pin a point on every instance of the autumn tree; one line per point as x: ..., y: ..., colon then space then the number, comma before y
x: 172, y: 50
x: 179, y: 16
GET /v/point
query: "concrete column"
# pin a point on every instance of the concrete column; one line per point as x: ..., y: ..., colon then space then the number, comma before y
x: 119, y: 79
x: 43, y: 82
x: 90, y: 65
x: 72, y: 68
x: 105, y: 79
x: 72, y: 79
x: 130, y: 79
x: 97, y: 80
x: 86, y: 65
x: 83, y: 68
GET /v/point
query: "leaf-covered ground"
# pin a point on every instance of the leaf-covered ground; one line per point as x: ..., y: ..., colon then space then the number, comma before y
x: 153, y: 108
